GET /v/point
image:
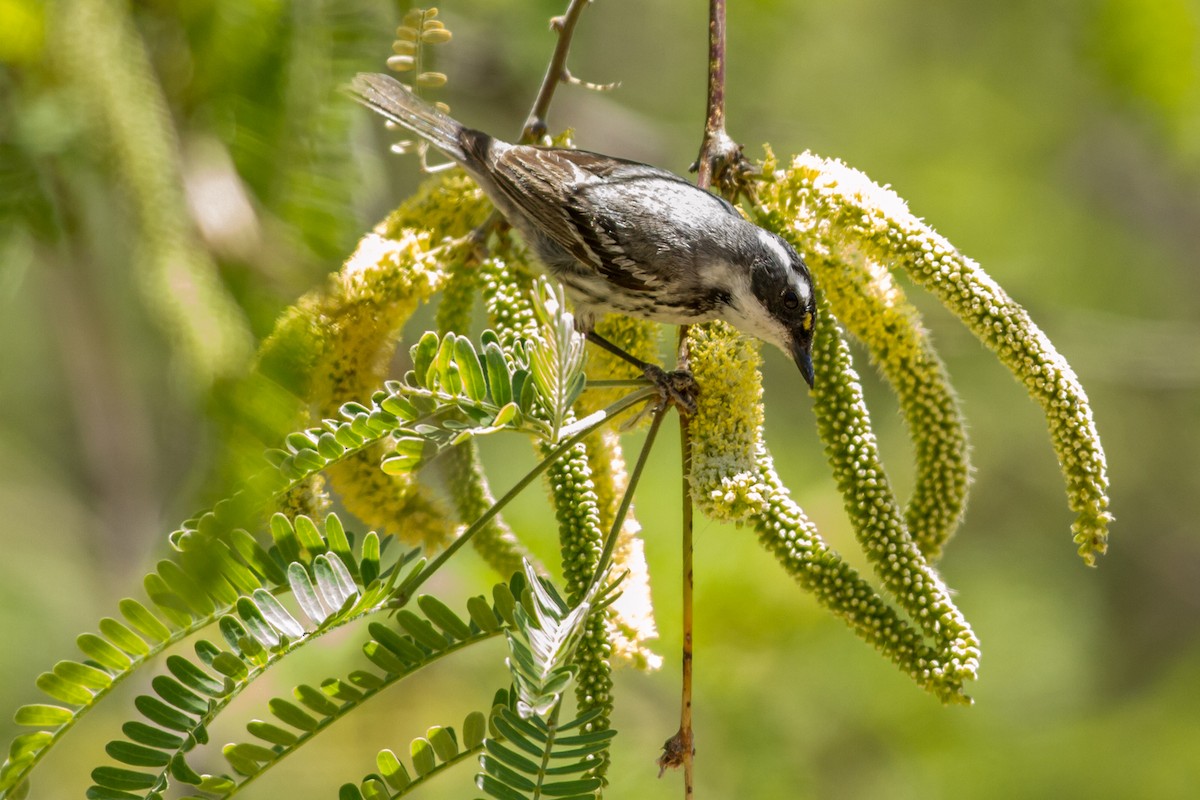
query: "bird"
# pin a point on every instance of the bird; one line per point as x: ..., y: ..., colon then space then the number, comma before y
x: 623, y: 236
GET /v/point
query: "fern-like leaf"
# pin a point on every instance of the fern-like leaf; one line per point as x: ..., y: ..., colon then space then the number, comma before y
x: 557, y: 359
x: 413, y: 641
x: 541, y: 645
x: 532, y: 758
x: 432, y: 754
x: 231, y: 587
x: 457, y: 391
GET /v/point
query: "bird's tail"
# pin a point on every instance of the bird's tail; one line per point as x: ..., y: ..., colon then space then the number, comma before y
x: 389, y: 97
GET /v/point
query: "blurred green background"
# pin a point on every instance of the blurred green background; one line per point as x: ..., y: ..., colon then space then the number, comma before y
x: 1057, y: 143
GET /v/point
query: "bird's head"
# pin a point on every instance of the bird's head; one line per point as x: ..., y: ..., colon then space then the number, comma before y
x: 783, y: 290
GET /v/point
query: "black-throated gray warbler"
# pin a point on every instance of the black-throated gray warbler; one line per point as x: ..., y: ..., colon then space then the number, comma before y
x: 624, y: 236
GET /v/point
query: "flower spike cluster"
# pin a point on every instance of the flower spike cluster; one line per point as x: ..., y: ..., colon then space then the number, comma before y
x: 867, y: 301
x: 835, y: 212
x: 735, y: 480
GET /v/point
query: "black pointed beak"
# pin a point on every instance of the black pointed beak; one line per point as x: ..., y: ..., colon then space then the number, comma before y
x: 802, y: 354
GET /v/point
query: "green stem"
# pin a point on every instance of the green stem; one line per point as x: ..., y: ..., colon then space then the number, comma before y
x: 547, y: 752
x: 610, y: 543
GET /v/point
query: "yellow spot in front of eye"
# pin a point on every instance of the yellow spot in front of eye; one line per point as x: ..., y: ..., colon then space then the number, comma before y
x: 807, y: 322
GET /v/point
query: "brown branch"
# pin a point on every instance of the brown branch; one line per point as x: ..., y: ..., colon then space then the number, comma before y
x: 678, y: 751
x: 556, y: 71
x: 720, y: 162
x: 685, y: 711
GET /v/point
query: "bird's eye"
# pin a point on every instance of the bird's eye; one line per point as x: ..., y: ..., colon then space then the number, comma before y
x: 790, y: 300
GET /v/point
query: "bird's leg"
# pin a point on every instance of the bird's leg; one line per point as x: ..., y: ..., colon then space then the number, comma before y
x: 677, y: 386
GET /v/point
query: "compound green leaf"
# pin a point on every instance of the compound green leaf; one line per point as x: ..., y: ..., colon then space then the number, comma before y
x: 402, y: 646
x: 63, y: 690
x: 26, y: 745
x: 383, y: 658
x: 292, y: 714
x: 270, y: 732
x: 309, y: 535
x: 316, y: 700
x: 581, y: 787
x: 123, y: 779
x: 497, y: 788
x: 365, y: 680
x: 329, y: 448
x: 441, y: 615
x: 123, y: 638
x: 193, y: 677
x: 499, y: 381
x: 182, y: 583
x: 168, y: 602
x: 369, y: 566
x: 420, y: 629
x: 157, y: 711
x: 339, y: 542
x: 474, y: 730
x: 473, y: 381
x: 151, y: 736
x: 392, y: 770
x: 278, y: 616
x: 182, y: 771
x: 510, y: 757
x: 283, y: 533
x: 423, y: 354
x: 136, y: 755
x: 482, y: 614
x: 104, y: 793
x: 103, y: 651
x: 40, y: 715
x: 256, y: 624
x: 423, y: 757
x: 334, y: 582
x: 230, y: 665
x: 305, y: 593
x: 179, y: 696
x: 445, y: 745
x: 250, y: 752
x: 373, y: 789
x: 510, y: 777
x: 256, y: 557
x: 340, y: 690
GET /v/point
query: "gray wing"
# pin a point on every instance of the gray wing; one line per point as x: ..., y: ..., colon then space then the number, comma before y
x: 612, y: 216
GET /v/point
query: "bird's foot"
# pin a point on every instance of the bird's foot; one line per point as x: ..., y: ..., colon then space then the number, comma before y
x: 677, y: 387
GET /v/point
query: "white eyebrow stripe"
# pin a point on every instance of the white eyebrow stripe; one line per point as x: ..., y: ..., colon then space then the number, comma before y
x: 785, y: 258
x: 773, y: 243
x: 803, y: 290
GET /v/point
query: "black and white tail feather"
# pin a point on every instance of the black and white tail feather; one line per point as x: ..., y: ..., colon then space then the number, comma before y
x: 624, y: 236
x: 395, y: 101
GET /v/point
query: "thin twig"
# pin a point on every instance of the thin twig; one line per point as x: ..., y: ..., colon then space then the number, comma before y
x: 556, y: 71
x: 610, y: 543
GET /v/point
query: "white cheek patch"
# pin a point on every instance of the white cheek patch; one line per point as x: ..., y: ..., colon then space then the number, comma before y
x: 750, y: 317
